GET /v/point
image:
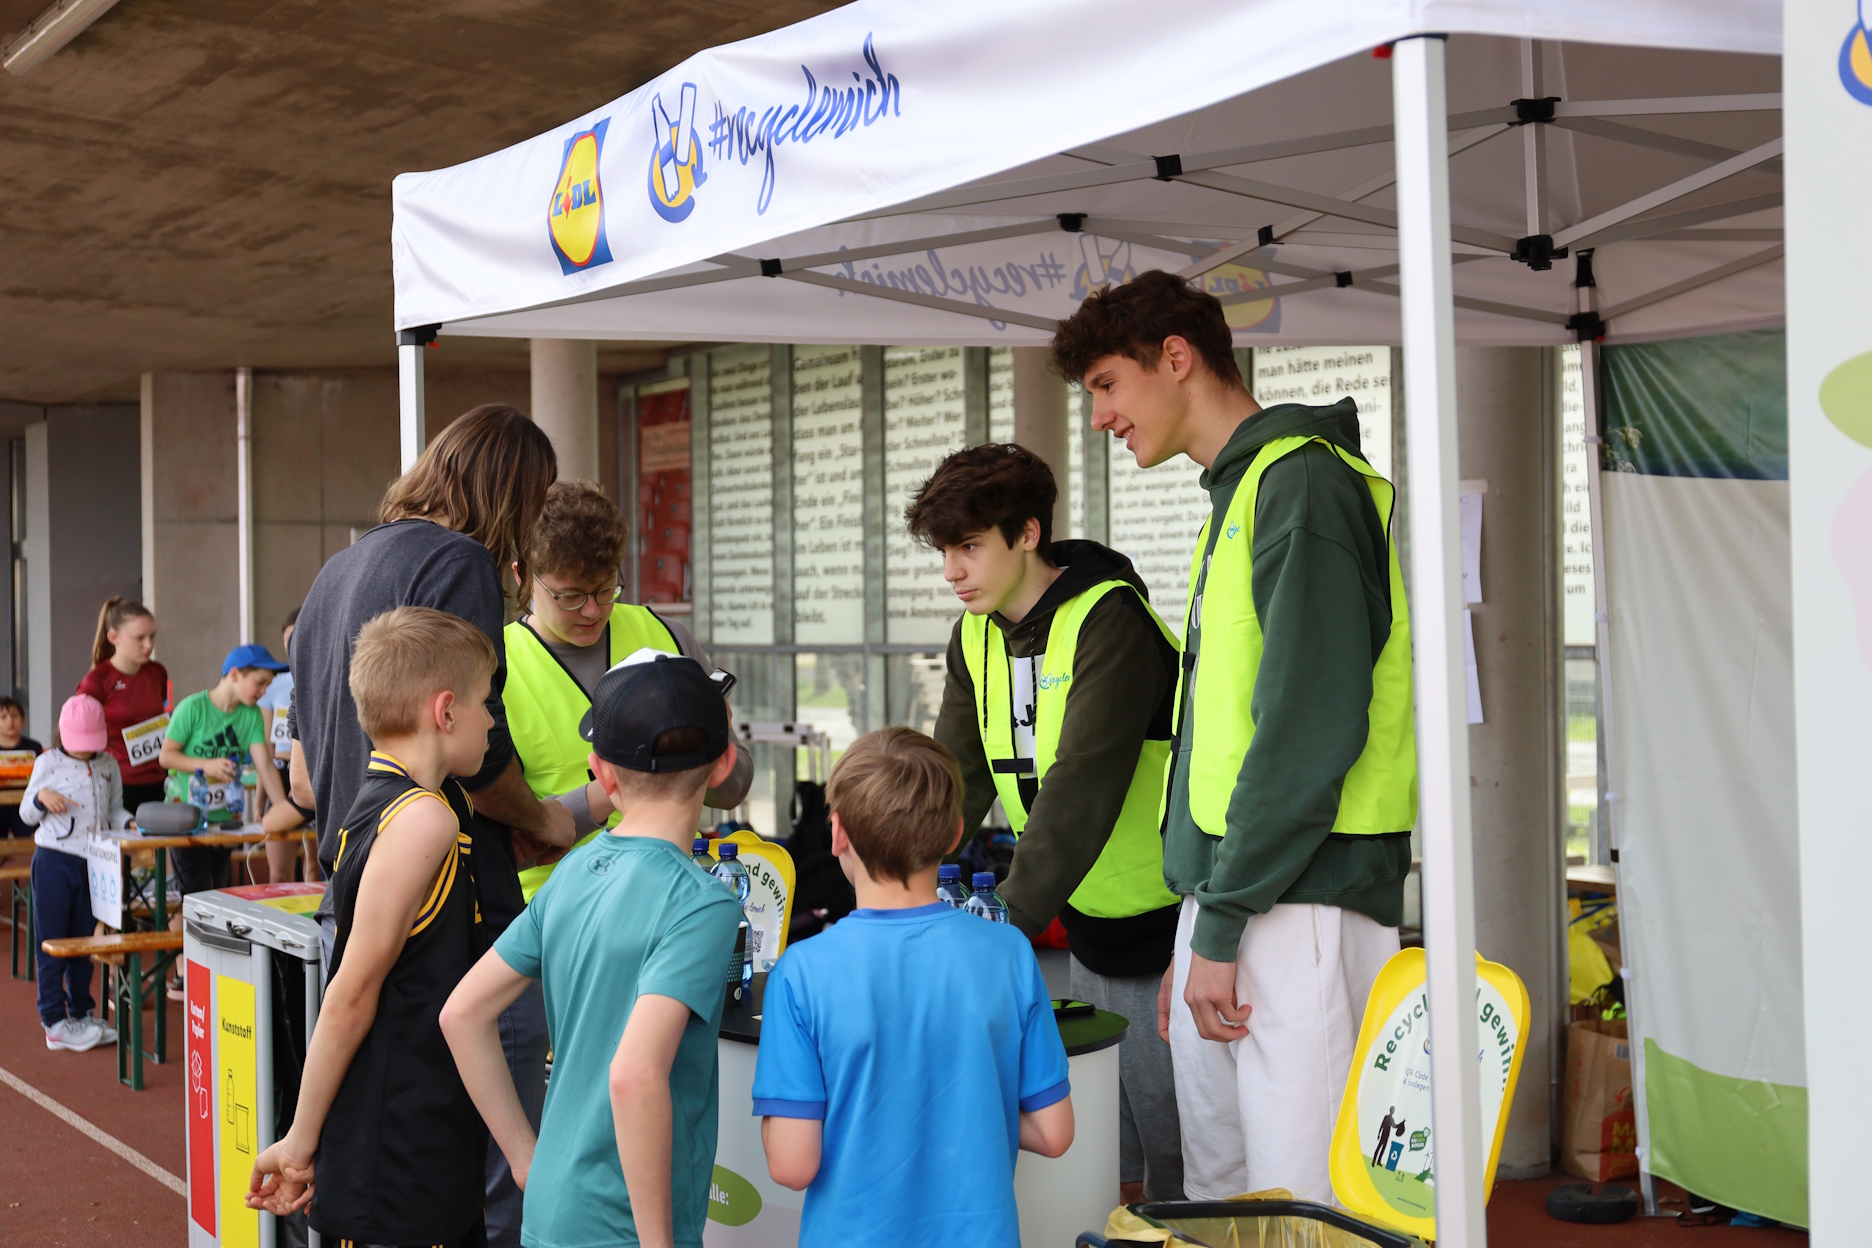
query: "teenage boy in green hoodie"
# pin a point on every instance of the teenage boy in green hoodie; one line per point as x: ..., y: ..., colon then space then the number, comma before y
x: 1058, y: 699
x: 1293, y: 784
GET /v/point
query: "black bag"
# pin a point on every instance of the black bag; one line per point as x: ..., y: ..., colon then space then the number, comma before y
x: 821, y: 893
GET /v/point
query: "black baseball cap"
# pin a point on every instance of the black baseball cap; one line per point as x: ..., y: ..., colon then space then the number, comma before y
x: 643, y: 697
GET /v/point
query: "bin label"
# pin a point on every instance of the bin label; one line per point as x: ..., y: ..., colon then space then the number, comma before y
x: 732, y: 1200
x: 104, y: 876
x: 200, y: 1058
x: 237, y: 1114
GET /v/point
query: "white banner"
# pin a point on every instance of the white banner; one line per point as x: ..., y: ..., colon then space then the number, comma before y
x: 1828, y: 119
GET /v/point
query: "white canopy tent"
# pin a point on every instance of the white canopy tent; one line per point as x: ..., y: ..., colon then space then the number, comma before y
x: 891, y: 173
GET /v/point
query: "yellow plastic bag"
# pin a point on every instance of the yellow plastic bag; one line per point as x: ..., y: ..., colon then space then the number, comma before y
x: 1243, y: 1231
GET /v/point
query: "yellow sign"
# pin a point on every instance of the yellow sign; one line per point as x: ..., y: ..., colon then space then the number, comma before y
x: 237, y: 1111
x: 1383, y: 1150
x: 305, y: 903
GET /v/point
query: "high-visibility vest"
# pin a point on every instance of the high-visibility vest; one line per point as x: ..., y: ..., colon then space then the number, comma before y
x: 1380, y: 791
x: 544, y: 706
x: 1127, y: 879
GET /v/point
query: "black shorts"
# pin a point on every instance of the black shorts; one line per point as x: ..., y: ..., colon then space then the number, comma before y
x: 199, y: 870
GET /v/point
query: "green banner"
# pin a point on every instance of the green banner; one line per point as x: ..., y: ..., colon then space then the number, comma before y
x: 1697, y: 407
x: 1741, y: 1142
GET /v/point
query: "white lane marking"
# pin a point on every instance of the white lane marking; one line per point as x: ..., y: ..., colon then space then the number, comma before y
x: 103, y: 1137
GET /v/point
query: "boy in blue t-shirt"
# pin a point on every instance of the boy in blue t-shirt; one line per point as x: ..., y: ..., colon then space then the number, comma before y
x: 909, y: 1052
x: 631, y: 940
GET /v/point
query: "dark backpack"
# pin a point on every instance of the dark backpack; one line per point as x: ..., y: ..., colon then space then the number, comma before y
x: 821, y: 893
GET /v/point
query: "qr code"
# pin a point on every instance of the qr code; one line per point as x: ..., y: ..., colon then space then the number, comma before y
x: 755, y: 939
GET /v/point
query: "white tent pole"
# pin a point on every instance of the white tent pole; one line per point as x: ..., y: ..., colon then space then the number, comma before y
x: 1420, y: 109
x: 1534, y: 140
x: 412, y: 418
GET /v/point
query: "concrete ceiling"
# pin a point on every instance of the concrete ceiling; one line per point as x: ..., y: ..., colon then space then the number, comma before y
x: 206, y: 183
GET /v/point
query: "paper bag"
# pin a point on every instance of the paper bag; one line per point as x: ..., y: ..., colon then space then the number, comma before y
x: 1598, y: 1127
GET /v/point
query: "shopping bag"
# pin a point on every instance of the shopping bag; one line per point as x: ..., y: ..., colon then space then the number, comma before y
x: 1598, y: 1127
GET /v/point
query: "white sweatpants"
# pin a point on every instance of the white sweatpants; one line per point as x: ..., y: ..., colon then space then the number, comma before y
x: 1258, y: 1112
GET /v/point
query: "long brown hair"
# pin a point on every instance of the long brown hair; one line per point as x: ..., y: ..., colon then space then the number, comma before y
x: 486, y: 476
x: 110, y: 618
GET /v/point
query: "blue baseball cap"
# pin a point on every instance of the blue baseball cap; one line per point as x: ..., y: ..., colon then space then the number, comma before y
x: 251, y: 656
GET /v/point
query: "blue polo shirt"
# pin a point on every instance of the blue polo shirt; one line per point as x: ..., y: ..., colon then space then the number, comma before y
x: 621, y: 917
x: 919, y: 1037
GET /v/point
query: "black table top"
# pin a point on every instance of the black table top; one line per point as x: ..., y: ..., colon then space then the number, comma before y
x: 1087, y: 1033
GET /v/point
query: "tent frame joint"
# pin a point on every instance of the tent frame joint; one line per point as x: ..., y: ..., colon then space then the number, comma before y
x: 771, y: 268
x: 420, y: 336
x: 1587, y: 326
x: 1168, y: 167
x: 1537, y: 110
x: 1072, y: 222
x: 1537, y: 252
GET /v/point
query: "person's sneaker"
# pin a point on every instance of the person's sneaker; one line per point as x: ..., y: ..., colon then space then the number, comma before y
x: 69, y: 1033
x: 105, y: 1033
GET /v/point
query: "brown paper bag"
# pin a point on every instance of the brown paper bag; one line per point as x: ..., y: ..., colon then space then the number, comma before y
x: 1598, y: 1126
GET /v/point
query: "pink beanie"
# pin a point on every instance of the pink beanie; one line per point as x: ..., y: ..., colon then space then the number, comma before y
x: 81, y: 723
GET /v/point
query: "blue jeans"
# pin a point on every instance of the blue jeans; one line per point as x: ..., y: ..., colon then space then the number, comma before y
x: 61, y: 898
x: 523, y: 1037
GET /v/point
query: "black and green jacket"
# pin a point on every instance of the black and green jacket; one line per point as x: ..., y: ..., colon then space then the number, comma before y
x: 1123, y: 693
x: 1322, y: 593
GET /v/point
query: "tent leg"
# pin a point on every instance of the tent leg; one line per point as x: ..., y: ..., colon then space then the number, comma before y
x: 412, y: 421
x: 1420, y: 109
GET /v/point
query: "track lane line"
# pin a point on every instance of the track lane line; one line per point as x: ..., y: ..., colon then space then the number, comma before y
x: 103, y: 1137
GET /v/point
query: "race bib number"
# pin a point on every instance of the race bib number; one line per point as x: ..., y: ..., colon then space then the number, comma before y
x: 145, y: 740
x: 281, y: 736
x: 215, y: 799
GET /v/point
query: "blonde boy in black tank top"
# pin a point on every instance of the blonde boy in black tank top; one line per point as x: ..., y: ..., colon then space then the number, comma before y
x: 383, y: 1117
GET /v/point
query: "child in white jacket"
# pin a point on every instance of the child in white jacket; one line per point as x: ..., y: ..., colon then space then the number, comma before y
x: 75, y: 790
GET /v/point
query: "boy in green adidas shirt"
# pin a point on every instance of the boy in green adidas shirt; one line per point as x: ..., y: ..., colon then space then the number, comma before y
x: 206, y: 732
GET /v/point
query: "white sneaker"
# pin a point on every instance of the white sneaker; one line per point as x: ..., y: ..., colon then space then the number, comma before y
x: 69, y: 1033
x: 106, y: 1034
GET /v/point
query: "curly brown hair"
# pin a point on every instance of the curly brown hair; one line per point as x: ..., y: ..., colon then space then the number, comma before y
x: 1133, y: 320
x: 998, y: 485
x: 580, y: 532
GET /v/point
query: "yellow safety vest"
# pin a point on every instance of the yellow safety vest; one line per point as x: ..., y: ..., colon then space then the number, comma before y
x: 544, y: 706
x: 1127, y: 879
x: 1380, y: 791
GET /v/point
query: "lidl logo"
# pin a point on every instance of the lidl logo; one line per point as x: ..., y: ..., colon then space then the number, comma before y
x: 575, y: 218
x: 675, y: 157
x: 1855, y: 59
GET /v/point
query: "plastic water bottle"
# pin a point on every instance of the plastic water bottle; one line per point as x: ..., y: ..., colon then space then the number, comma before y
x: 198, y: 797
x: 699, y: 852
x: 984, y: 901
x: 730, y: 872
x: 236, y: 797
x: 949, y: 887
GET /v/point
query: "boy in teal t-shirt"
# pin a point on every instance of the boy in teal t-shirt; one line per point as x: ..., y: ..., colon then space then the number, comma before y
x: 205, y: 730
x: 631, y: 940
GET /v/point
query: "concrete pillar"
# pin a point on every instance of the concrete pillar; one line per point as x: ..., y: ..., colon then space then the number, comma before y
x: 1505, y: 417
x: 83, y: 542
x: 1040, y: 422
x: 190, y: 545
x: 565, y: 403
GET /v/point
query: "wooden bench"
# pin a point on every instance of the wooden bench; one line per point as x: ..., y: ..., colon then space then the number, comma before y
x: 125, y: 952
x: 18, y: 883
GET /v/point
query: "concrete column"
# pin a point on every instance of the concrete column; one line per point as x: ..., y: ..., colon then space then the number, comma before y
x: 1040, y: 422
x: 191, y: 548
x: 1505, y: 419
x: 565, y: 403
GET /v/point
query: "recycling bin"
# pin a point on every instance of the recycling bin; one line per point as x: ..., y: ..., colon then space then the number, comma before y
x: 252, y: 984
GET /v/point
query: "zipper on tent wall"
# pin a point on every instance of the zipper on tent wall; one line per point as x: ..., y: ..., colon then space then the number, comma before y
x: 1585, y: 295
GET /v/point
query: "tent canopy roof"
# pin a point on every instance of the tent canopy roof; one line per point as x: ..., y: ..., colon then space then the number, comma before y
x: 965, y: 172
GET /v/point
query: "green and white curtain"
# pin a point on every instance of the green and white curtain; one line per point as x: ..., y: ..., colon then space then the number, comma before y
x: 1701, y: 705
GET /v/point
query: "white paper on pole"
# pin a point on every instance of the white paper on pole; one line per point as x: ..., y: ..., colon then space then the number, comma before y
x: 1469, y: 508
x: 1472, y: 683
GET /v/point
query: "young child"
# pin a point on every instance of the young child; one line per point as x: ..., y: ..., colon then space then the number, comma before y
x: 399, y: 1151
x: 910, y: 1051
x: 75, y: 790
x: 13, y: 738
x: 208, y: 728
x: 632, y: 941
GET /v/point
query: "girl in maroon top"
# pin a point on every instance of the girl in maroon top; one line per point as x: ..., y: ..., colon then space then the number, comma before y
x: 134, y: 689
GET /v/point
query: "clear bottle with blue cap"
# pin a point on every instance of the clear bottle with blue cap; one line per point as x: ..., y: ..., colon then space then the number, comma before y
x: 984, y: 902
x: 949, y: 886
x: 731, y: 872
